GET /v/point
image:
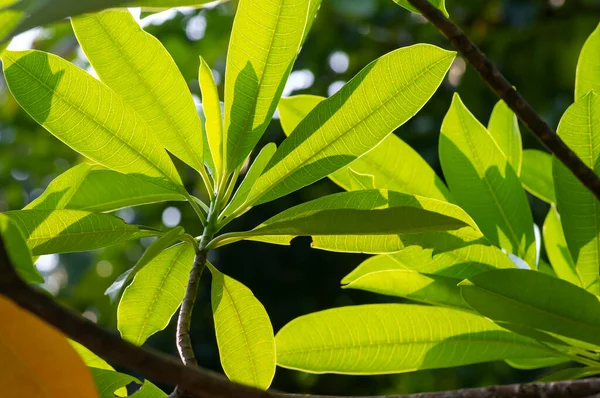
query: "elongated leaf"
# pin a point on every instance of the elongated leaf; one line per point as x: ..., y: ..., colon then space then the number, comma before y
x: 34, y: 357
x: 148, y: 80
x: 504, y: 128
x: 64, y: 231
x: 155, y: 248
x: 430, y: 289
x: 256, y: 169
x: 535, y: 363
x: 264, y: 43
x: 536, y: 174
x: 244, y: 332
x: 8, y: 20
x: 18, y: 252
x: 355, y: 119
x: 578, y: 208
x: 155, y: 294
x: 359, y: 181
x: 484, y: 183
x: 557, y: 250
x: 89, y: 358
x: 110, y: 383
x: 394, y: 338
x: 393, y: 163
x: 344, y: 221
x: 457, y: 254
x: 212, y: 113
x: 588, y: 66
x: 535, y: 300
x: 88, y: 116
x: 570, y: 374
x: 437, y: 3
x: 41, y: 12
x: 94, y: 188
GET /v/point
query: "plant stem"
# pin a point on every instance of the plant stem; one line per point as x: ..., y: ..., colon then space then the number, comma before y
x: 196, y: 208
x: 503, y: 89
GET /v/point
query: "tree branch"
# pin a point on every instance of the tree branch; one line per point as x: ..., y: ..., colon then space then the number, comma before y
x: 206, y: 384
x: 502, y: 87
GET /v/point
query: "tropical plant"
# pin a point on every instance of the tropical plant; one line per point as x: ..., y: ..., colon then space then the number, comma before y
x: 467, y: 249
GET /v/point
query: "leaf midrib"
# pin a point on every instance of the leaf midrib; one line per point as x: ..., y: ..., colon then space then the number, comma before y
x: 348, y: 130
x: 88, y: 117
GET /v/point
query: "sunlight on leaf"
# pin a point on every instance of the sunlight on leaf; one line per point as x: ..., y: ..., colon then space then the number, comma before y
x: 536, y: 174
x: 18, y: 251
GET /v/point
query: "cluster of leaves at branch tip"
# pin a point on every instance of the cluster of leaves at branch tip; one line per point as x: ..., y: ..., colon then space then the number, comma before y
x: 455, y: 246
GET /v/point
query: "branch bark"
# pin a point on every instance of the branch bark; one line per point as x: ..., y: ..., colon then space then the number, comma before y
x: 503, y: 89
x: 203, y: 383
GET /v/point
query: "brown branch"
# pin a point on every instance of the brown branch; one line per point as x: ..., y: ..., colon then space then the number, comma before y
x: 206, y: 384
x: 502, y: 87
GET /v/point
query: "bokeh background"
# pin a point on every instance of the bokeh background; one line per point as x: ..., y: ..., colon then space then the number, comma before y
x: 534, y: 42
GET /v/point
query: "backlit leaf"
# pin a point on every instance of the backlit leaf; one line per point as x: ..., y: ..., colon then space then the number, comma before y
x: 87, y: 116
x: 110, y: 383
x: 485, y: 184
x: 504, y: 128
x: 359, y: 181
x: 535, y: 363
x: 244, y: 332
x: 265, y: 41
x: 437, y: 3
x: 212, y: 113
x: 94, y: 188
x: 147, y: 79
x: 535, y: 300
x: 393, y: 163
x: 570, y: 374
x: 536, y: 174
x: 579, y: 209
x: 383, y: 96
x: 394, y: 338
x: 64, y: 231
x: 36, y: 360
x: 588, y: 66
x: 557, y: 250
x: 18, y: 251
x: 156, y: 292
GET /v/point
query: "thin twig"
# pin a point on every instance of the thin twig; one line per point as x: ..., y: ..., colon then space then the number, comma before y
x: 203, y: 383
x: 503, y: 89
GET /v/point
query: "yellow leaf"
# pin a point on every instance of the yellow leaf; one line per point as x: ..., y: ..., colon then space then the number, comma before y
x: 36, y: 360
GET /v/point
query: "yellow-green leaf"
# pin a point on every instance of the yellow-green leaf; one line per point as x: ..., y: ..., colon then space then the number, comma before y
x: 212, y: 113
x: 36, y: 360
x: 557, y: 250
x: 87, y: 115
x: 578, y: 207
x: 536, y: 174
x: 588, y: 66
x: 64, y: 231
x: 393, y: 164
x: 504, y: 128
x: 18, y: 251
x: 137, y: 67
x: 155, y: 294
x: 244, y: 332
x: 383, y: 96
x: 441, y: 4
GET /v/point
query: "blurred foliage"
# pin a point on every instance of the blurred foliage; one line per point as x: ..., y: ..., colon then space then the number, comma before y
x: 535, y: 43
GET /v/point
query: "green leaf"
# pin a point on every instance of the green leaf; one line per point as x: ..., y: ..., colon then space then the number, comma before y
x: 64, y: 231
x: 437, y: 3
x: 155, y: 294
x: 214, y: 118
x: 339, y: 222
x: 94, y: 188
x: 536, y: 174
x: 393, y: 163
x: 570, y: 374
x: 8, y: 20
x: 109, y: 384
x: 359, y: 181
x: 457, y: 254
x: 244, y: 332
x: 535, y: 300
x: 430, y: 289
x: 18, y: 252
x: 87, y: 116
x: 504, y: 128
x: 556, y: 248
x: 355, y: 119
x: 148, y: 80
x: 155, y: 248
x: 579, y: 209
x: 256, y: 169
x: 588, y: 66
x: 484, y: 183
x: 265, y: 41
x: 394, y: 338
x: 535, y: 363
